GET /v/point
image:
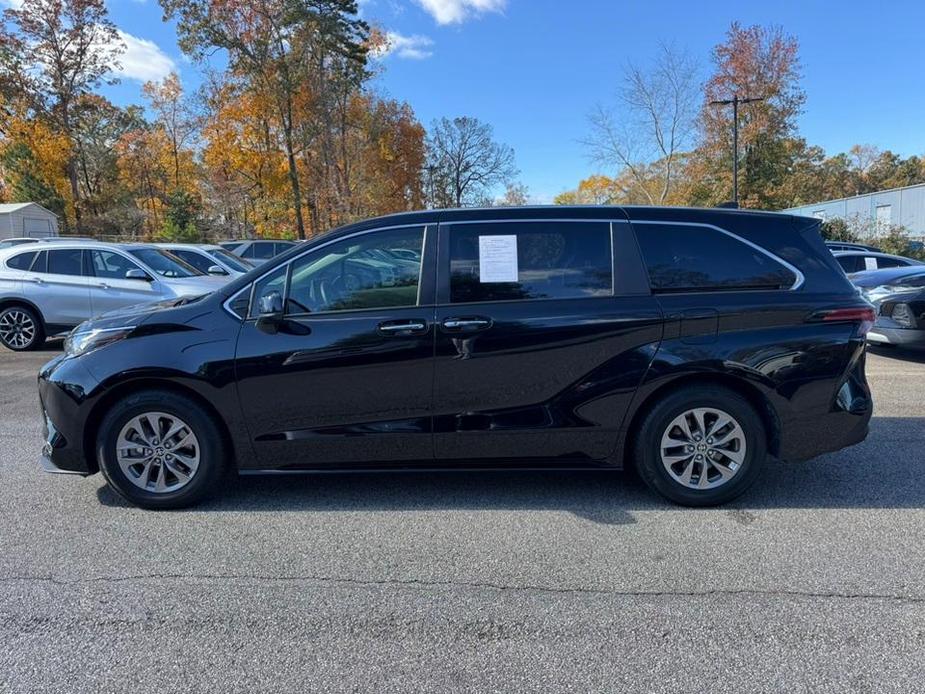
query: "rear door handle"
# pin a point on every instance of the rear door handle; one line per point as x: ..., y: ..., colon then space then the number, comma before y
x: 403, y: 327
x: 466, y: 323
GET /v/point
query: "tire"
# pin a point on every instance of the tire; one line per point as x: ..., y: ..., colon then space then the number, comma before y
x: 151, y: 474
x: 21, y: 328
x: 733, y: 452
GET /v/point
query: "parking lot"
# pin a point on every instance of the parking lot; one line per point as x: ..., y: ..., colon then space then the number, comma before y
x: 814, y: 581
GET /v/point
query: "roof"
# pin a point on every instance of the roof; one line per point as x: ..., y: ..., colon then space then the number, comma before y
x: 7, y: 207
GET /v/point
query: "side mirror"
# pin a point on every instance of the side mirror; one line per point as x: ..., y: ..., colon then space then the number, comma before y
x: 216, y: 270
x: 136, y: 274
x: 270, y: 312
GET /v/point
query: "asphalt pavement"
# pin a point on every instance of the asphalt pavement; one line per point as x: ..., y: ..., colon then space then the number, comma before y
x: 475, y: 582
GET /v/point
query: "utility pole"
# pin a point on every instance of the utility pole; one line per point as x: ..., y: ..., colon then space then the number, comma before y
x: 735, y: 101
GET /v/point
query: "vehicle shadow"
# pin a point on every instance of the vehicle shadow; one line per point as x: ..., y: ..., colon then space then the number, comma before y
x: 883, y: 472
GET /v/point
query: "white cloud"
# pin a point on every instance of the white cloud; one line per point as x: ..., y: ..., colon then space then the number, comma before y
x: 414, y: 47
x: 456, y: 11
x: 144, y: 60
x: 15, y: 4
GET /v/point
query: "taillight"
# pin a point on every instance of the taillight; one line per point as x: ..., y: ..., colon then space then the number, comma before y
x: 864, y: 316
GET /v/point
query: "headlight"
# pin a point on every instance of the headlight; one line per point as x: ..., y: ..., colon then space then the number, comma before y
x: 83, y: 341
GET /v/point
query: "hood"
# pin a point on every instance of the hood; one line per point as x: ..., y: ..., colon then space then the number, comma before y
x: 194, y: 286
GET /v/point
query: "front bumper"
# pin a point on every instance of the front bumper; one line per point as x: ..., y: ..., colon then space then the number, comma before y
x: 64, y: 391
x: 902, y: 337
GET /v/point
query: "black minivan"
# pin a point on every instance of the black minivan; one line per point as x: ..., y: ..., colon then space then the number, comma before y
x: 690, y: 343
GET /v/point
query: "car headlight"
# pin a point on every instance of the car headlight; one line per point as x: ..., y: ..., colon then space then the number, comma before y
x: 83, y: 341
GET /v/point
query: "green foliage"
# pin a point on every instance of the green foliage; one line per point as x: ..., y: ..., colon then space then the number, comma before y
x: 183, y: 210
x: 897, y: 242
x: 171, y: 231
x: 838, y: 230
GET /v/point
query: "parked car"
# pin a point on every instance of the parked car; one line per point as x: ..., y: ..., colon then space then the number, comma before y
x: 258, y: 251
x: 209, y: 259
x: 691, y: 343
x: 848, y: 246
x: 47, y: 289
x: 859, y: 261
x: 898, y: 296
x: 9, y: 243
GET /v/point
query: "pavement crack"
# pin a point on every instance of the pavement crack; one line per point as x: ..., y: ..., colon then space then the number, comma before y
x: 472, y: 585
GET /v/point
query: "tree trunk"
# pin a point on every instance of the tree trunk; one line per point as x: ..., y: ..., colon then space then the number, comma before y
x: 294, y: 182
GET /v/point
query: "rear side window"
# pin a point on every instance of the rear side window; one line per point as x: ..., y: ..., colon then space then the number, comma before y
x: 889, y: 262
x: 530, y: 260
x: 67, y: 261
x: 261, y: 251
x: 23, y: 261
x: 850, y: 263
x: 683, y: 258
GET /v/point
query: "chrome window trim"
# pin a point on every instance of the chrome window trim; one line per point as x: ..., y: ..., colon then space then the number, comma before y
x: 604, y: 220
x: 800, y: 279
x: 289, y: 263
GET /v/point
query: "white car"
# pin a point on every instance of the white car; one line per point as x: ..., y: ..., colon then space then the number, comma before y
x: 47, y: 289
x: 210, y: 259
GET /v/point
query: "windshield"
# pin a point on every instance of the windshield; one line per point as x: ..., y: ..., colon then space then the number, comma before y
x: 164, y: 264
x: 230, y: 259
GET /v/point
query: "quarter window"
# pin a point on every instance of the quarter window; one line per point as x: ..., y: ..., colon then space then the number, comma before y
x: 23, y: 261
x: 530, y: 260
x: 696, y: 258
x: 361, y: 272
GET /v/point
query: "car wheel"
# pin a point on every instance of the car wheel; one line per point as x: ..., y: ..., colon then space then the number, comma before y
x: 701, y: 446
x: 21, y: 329
x: 160, y: 450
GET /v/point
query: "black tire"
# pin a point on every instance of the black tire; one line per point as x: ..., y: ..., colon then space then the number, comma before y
x: 211, y: 449
x: 647, y: 447
x: 33, y: 318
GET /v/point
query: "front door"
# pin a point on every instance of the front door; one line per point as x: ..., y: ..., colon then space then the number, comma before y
x: 346, y: 380
x: 540, y: 346
x: 110, y: 289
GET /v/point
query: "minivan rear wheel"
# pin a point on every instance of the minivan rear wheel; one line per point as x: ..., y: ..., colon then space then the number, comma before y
x: 160, y: 450
x: 21, y: 329
x: 701, y: 446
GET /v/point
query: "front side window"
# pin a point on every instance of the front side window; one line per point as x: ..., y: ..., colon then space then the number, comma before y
x: 200, y: 262
x: 111, y: 265
x: 530, y: 260
x: 683, y: 258
x: 355, y: 274
x: 66, y: 261
x: 163, y: 263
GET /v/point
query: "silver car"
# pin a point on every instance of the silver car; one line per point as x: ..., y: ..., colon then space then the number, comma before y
x: 257, y: 251
x: 47, y: 289
x: 210, y: 259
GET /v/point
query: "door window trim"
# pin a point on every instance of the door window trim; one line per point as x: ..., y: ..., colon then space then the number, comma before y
x: 444, y: 259
x: 426, y: 245
x: 800, y: 279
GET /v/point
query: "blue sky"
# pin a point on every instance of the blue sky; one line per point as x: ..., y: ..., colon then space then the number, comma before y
x: 535, y: 68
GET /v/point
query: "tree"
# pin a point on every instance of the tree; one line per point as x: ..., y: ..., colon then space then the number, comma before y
x: 60, y: 50
x: 752, y: 62
x: 515, y: 195
x: 464, y: 162
x: 271, y: 44
x: 179, y: 119
x: 652, y: 124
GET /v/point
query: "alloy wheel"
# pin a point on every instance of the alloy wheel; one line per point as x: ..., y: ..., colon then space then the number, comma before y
x: 703, y: 448
x: 17, y: 328
x: 158, y: 452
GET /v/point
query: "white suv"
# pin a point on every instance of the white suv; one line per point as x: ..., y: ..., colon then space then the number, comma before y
x: 47, y: 289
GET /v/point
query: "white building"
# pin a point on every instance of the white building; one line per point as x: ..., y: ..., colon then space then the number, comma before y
x: 26, y: 219
x: 881, y: 210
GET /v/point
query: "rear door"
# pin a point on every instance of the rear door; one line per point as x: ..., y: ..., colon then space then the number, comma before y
x: 541, y: 339
x: 59, y: 286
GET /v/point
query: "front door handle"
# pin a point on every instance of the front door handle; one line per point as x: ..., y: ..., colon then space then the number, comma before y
x: 403, y: 327
x: 103, y: 285
x: 467, y: 323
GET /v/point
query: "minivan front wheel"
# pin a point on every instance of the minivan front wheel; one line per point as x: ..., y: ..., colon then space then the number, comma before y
x: 160, y: 450
x: 701, y: 446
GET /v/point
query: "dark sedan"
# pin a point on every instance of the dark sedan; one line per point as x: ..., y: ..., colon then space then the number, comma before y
x: 898, y: 294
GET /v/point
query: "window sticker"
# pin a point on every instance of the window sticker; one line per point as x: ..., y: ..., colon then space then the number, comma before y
x: 497, y: 259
